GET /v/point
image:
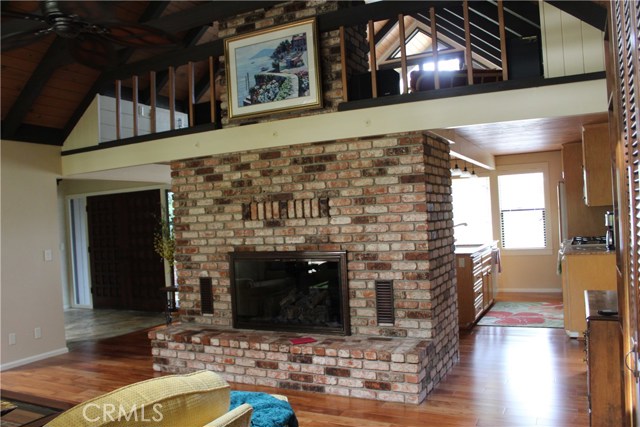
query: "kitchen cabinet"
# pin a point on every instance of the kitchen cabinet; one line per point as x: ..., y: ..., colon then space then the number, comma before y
x: 584, y: 269
x: 581, y: 220
x: 477, y: 272
x: 603, y: 348
x: 596, y: 164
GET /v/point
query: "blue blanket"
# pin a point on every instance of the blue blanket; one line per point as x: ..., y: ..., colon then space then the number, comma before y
x: 267, y: 410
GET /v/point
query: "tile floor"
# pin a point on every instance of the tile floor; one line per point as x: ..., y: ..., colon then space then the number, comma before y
x: 85, y: 324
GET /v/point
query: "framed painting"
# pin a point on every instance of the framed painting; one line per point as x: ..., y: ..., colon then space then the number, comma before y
x: 273, y: 70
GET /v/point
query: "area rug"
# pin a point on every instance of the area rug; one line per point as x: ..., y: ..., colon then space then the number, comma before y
x: 528, y: 314
x: 26, y: 414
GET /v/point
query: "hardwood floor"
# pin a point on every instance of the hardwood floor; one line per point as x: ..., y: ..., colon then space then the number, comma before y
x: 505, y: 377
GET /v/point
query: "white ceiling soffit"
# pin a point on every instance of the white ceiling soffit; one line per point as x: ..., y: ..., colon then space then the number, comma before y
x: 464, y: 149
x: 154, y: 173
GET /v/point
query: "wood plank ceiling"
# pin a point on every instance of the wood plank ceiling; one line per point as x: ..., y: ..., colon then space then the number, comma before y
x: 45, y: 91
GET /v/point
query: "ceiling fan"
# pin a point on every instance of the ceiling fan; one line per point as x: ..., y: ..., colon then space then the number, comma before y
x: 82, y: 23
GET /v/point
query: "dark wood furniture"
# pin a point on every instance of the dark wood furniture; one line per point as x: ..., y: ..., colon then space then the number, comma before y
x: 603, y: 349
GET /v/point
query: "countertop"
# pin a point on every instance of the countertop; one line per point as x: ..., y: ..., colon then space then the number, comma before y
x: 568, y: 249
x: 595, y: 301
x: 472, y: 249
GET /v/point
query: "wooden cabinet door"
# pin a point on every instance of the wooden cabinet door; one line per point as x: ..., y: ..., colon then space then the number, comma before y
x: 596, y: 155
x: 126, y: 273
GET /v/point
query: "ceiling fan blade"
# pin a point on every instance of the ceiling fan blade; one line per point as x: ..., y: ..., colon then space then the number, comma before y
x: 136, y: 35
x: 12, y: 14
x: 12, y: 8
x: 89, y: 10
x: 93, y: 52
x: 22, y: 38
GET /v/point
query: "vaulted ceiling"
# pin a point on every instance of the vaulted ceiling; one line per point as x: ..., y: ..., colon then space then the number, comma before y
x: 47, y: 84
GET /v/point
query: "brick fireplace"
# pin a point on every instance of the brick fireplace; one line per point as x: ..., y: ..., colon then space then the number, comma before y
x: 385, y: 201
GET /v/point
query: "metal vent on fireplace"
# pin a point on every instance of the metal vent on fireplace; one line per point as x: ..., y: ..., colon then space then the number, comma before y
x: 206, y: 295
x: 384, y: 302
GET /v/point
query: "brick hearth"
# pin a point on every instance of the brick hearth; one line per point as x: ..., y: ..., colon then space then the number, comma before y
x: 379, y: 368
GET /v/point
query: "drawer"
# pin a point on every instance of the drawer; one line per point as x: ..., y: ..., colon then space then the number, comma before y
x: 478, y: 305
x: 478, y: 289
x: 477, y: 269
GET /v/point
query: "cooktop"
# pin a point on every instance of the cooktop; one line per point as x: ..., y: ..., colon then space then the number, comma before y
x: 588, y: 240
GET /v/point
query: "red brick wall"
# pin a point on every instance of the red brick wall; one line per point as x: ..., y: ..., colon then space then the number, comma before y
x: 389, y: 208
x: 328, y: 50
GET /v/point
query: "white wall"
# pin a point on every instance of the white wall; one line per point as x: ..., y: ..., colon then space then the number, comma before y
x: 30, y: 287
x: 569, y: 46
x: 108, y: 119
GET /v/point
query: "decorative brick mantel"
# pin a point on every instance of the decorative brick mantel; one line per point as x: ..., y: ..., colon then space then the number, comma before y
x: 388, y: 369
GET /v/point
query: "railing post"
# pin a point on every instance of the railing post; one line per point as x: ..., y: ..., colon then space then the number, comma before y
x: 172, y: 97
x: 134, y: 102
x: 118, y: 94
x: 503, y: 42
x: 190, y: 82
x: 434, y: 47
x: 343, y: 65
x: 152, y: 102
x: 467, y: 40
x: 212, y: 90
x: 373, y: 62
x: 403, y: 54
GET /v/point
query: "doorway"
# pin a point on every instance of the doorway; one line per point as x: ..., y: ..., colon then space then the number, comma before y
x: 113, y: 263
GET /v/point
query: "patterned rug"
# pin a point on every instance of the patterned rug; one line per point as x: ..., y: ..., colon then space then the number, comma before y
x: 528, y: 314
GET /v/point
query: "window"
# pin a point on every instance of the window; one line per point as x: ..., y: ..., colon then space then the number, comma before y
x: 472, y: 211
x: 443, y: 65
x: 523, y: 210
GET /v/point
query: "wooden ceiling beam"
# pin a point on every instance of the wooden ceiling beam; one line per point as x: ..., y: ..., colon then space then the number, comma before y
x: 206, y: 13
x: 388, y: 26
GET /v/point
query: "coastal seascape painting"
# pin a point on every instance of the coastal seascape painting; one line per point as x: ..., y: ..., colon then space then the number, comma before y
x: 273, y: 70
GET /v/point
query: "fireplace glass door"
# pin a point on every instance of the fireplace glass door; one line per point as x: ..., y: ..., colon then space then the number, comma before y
x: 294, y: 291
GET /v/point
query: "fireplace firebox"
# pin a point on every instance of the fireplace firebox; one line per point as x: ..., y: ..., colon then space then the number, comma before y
x: 293, y: 291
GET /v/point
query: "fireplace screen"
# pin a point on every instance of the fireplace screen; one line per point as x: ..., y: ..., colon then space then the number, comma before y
x: 295, y: 291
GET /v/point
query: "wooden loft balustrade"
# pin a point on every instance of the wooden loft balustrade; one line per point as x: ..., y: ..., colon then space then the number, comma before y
x: 200, y: 80
x: 182, y: 86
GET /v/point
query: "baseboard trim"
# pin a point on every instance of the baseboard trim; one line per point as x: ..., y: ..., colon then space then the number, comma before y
x: 31, y: 359
x: 532, y: 290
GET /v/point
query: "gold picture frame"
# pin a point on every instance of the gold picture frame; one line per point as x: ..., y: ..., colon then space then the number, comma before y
x: 273, y: 70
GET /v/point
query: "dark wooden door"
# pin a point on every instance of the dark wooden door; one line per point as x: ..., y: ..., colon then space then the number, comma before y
x: 126, y: 273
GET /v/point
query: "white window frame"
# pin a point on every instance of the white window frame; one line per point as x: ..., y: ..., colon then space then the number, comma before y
x: 518, y: 170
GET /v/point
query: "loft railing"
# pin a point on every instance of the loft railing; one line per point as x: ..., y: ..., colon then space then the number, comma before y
x: 154, y: 96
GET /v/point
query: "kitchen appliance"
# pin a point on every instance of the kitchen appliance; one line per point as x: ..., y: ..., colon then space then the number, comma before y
x: 589, y: 241
x: 608, y: 222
